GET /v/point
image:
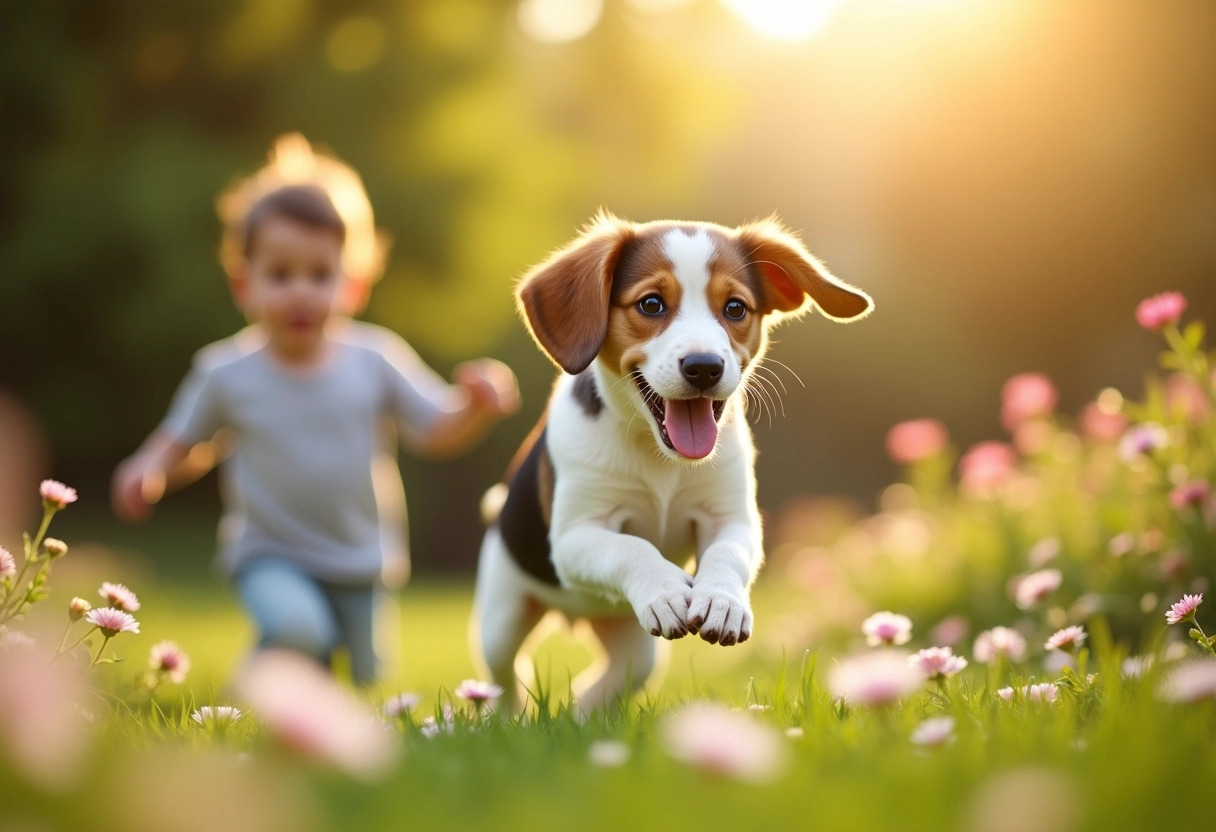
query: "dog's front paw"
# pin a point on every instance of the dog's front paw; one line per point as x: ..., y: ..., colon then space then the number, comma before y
x: 664, y: 611
x: 721, y: 614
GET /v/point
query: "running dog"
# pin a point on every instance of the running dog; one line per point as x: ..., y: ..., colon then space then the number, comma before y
x: 643, y: 462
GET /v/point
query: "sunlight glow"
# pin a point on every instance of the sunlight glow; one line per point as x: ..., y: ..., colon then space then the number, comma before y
x: 784, y: 19
x: 559, y: 21
x: 659, y: 6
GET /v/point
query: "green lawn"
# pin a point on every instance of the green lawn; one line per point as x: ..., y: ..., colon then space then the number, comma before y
x: 1130, y: 764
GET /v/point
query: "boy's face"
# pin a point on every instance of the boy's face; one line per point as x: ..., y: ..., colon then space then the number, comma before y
x: 293, y: 282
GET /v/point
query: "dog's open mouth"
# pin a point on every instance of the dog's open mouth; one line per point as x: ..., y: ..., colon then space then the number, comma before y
x: 688, y: 426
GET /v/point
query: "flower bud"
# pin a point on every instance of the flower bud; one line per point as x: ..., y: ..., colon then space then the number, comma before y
x: 77, y: 608
x: 54, y: 547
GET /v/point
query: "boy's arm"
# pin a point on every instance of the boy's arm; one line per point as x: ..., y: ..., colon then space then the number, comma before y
x: 139, y: 480
x: 197, y: 413
x: 485, y: 392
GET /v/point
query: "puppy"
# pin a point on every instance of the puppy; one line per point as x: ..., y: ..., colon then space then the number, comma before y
x: 643, y: 461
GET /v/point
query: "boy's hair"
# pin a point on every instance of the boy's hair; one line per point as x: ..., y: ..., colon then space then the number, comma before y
x: 294, y: 161
x: 307, y: 205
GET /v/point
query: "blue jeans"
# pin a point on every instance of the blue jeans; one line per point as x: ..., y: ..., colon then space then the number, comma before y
x: 294, y: 610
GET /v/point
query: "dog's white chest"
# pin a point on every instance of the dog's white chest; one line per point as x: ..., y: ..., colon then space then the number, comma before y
x: 664, y: 515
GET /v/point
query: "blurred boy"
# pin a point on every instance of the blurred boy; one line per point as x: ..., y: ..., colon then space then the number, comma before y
x: 303, y: 392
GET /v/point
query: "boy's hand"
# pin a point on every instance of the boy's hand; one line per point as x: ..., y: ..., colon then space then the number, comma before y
x: 491, y: 386
x: 134, y: 489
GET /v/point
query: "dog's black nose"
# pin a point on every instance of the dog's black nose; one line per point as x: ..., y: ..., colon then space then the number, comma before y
x: 702, y: 370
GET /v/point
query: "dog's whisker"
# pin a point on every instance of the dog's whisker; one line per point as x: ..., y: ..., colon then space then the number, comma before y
x: 775, y: 393
x: 776, y: 377
x: 787, y: 367
x: 761, y: 397
x: 771, y: 406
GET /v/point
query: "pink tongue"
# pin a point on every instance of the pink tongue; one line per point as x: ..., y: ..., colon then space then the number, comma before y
x: 691, y: 427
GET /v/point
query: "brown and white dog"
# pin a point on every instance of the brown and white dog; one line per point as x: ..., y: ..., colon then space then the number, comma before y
x: 643, y: 461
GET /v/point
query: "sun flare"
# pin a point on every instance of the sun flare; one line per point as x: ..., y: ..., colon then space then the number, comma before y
x: 784, y: 19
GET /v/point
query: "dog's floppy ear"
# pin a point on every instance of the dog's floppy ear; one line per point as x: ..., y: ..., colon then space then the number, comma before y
x: 791, y: 274
x: 565, y: 299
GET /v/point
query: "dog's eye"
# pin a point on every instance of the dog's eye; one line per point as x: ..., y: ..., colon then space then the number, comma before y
x: 735, y: 310
x: 651, y: 305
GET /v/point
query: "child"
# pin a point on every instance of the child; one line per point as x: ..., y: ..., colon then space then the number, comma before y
x: 293, y: 161
x: 304, y: 407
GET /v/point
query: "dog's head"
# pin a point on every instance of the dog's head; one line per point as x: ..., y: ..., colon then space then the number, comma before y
x: 681, y: 308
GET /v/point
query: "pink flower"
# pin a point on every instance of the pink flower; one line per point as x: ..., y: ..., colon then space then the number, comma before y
x: 8, y: 564
x: 15, y: 640
x: 608, y: 753
x: 1134, y: 667
x: 477, y: 692
x: 219, y: 715
x: 432, y: 727
x: 111, y: 621
x: 887, y: 628
x: 1142, y: 439
x: 950, y: 630
x: 877, y: 678
x: 999, y: 641
x: 1190, y: 681
x: 1184, y: 397
x: 167, y: 658
x: 1190, y: 495
x: 937, y: 662
x: 1100, y: 426
x: 1160, y: 310
x: 1045, y: 692
x: 1027, y: 396
x: 915, y: 440
x: 313, y: 716
x: 933, y: 732
x: 985, y: 468
x: 55, y: 494
x: 401, y: 704
x: 722, y: 742
x: 42, y: 737
x: 1068, y: 639
x: 1043, y: 552
x: 1184, y: 610
x: 1036, y: 586
x: 119, y: 597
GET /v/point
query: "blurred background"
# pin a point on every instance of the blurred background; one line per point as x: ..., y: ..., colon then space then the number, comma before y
x: 1005, y: 177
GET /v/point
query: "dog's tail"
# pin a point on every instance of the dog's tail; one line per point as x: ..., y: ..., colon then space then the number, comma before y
x: 492, y: 502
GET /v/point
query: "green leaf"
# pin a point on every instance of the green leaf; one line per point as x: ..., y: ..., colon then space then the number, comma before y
x: 1171, y: 361
x: 1192, y: 336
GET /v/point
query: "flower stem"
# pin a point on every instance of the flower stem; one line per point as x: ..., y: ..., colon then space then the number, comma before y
x: 105, y: 641
x: 31, y: 552
x: 64, y: 650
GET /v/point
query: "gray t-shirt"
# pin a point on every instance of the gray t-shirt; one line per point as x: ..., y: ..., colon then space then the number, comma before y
x: 386, y: 476
x: 305, y: 441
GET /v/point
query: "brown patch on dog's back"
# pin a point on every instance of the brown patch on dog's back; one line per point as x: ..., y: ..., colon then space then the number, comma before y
x: 524, y: 519
x: 643, y: 269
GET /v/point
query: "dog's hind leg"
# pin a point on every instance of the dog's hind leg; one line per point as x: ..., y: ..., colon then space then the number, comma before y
x: 630, y: 657
x: 504, y: 614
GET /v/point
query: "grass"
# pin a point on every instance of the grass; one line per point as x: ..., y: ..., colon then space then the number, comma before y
x: 1132, y: 763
